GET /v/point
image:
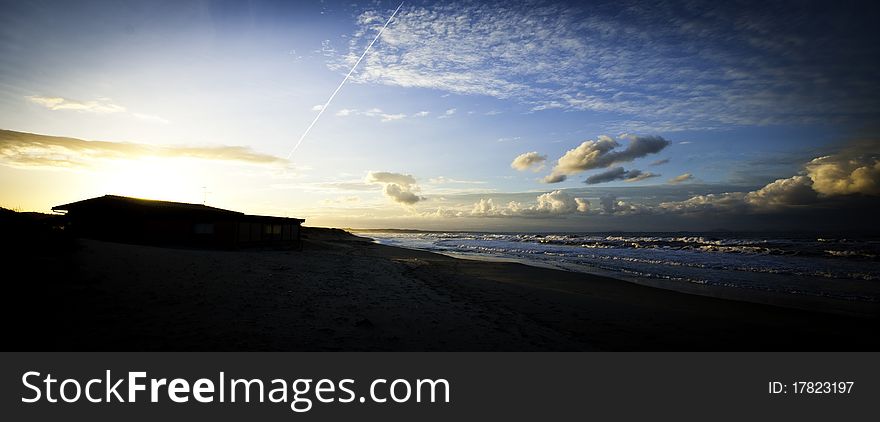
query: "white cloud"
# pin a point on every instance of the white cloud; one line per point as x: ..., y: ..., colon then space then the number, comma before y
x: 712, y: 67
x: 392, y: 117
x: 529, y: 160
x: 422, y: 114
x: 99, y: 106
x: 441, y: 180
x: 447, y: 114
x: 373, y: 112
x: 317, y: 107
x: 555, y: 203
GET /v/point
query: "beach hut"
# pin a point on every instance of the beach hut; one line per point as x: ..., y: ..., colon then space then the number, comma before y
x: 136, y: 220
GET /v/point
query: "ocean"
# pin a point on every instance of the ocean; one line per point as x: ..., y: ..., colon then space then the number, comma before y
x: 795, y: 263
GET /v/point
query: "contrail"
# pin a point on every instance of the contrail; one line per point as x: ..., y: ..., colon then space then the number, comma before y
x: 308, y: 129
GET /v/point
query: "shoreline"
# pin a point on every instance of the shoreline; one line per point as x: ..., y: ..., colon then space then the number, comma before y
x: 346, y: 293
x: 805, y: 302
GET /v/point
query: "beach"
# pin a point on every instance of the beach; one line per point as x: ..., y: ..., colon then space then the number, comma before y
x: 345, y: 293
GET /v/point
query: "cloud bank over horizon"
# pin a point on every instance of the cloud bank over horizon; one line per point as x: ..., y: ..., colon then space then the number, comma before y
x: 29, y: 150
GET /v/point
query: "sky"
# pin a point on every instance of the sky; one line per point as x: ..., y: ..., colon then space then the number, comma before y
x: 537, y: 116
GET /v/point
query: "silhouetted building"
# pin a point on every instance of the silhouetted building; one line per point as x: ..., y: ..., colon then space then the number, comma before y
x: 135, y: 220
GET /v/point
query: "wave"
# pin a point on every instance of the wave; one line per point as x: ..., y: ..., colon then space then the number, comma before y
x: 843, y: 268
x: 842, y: 248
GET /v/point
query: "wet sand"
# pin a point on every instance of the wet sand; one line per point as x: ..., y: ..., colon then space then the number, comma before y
x: 343, y: 292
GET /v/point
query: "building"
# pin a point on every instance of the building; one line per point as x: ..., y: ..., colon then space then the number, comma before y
x: 135, y: 220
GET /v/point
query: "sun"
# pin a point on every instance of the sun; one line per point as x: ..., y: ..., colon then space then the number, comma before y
x: 170, y: 179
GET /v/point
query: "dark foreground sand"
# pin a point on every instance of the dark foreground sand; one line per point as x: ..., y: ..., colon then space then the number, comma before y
x: 345, y: 293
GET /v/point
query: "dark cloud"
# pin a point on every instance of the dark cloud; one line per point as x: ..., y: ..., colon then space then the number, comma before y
x: 619, y: 173
x: 602, y: 153
x: 400, y: 188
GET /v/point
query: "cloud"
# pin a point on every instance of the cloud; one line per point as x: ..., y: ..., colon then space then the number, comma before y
x: 422, y: 114
x: 555, y: 203
x: 99, y: 106
x: 709, y: 202
x: 796, y: 190
x: 373, y: 112
x: 633, y: 176
x: 401, y: 194
x: 22, y: 149
x: 850, y: 172
x: 845, y: 174
x: 441, y: 180
x: 529, y: 160
x: 619, y: 173
x: 611, y: 205
x: 608, y: 203
x: 660, y: 162
x: 392, y: 117
x: 317, y: 107
x: 603, y: 153
x: 717, y: 64
x: 354, y: 185
x: 400, y: 188
x: 447, y: 114
x: 342, y: 200
x: 681, y: 178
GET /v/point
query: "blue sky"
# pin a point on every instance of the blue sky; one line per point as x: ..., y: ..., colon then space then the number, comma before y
x: 428, y: 131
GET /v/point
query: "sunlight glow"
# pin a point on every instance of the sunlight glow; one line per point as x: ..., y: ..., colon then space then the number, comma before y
x: 171, y: 179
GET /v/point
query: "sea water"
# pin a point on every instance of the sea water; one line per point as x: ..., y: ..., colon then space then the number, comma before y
x: 843, y: 267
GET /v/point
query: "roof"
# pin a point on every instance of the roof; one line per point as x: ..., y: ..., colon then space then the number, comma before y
x: 115, y: 202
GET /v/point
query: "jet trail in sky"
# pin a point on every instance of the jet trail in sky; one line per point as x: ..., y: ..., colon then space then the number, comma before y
x: 308, y: 129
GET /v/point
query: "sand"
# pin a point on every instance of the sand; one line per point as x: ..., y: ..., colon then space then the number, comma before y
x: 344, y: 293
